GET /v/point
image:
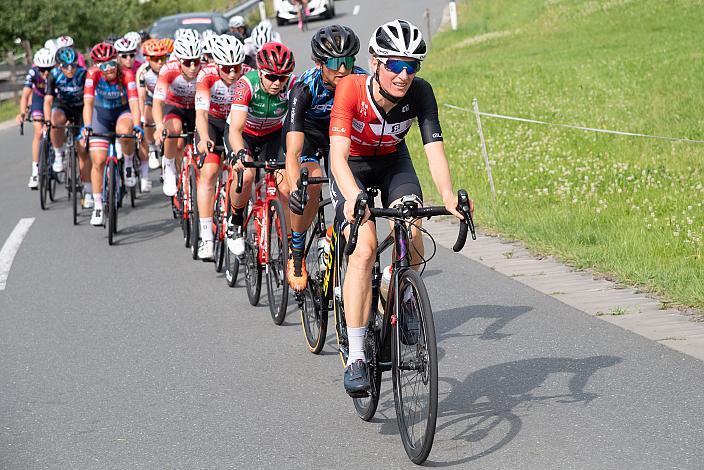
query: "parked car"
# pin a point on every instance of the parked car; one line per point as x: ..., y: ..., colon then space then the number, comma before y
x: 200, y: 21
x: 286, y: 11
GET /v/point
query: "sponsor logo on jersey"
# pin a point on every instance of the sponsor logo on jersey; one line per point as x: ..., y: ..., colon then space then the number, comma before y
x: 406, y: 108
x: 338, y: 129
x: 357, y: 125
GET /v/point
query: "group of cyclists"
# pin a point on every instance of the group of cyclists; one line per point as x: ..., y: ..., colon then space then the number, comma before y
x: 238, y: 91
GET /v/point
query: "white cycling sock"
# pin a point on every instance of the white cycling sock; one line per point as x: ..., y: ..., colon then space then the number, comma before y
x: 206, y: 229
x: 356, y: 339
x: 144, y: 170
x: 59, y: 151
x: 87, y: 188
x: 152, y: 147
x: 35, y: 168
x: 170, y: 165
x: 98, y: 200
x: 128, y: 160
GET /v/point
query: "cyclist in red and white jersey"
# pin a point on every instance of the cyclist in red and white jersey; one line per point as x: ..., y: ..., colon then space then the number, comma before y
x: 110, y: 104
x: 155, y: 52
x: 215, y: 91
x: 174, y: 102
x: 258, y: 110
x: 369, y: 120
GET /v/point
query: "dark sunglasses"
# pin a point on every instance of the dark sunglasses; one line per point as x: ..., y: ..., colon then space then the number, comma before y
x: 190, y: 62
x: 67, y: 66
x: 228, y: 69
x: 396, y: 66
x: 128, y: 56
x: 273, y: 77
x: 107, y: 65
x: 161, y: 58
x: 45, y: 69
x: 334, y: 63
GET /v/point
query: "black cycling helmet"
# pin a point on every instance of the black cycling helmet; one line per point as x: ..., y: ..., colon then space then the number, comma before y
x: 334, y: 41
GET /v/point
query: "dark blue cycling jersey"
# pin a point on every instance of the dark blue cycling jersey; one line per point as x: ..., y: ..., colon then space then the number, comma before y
x: 310, y: 100
x: 67, y: 91
x: 35, y: 81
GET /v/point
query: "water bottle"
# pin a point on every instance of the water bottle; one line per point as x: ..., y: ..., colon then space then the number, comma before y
x: 324, y: 250
x: 385, y: 282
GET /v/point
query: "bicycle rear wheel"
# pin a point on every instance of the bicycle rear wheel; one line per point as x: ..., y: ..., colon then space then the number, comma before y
x: 366, y: 406
x: 415, y: 367
x: 252, y: 268
x: 112, y: 200
x: 218, y: 231
x: 314, y: 312
x: 276, y: 281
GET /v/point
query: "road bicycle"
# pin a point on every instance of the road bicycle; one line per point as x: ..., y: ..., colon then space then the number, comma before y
x: 266, y: 239
x: 72, y: 181
x: 113, y: 184
x: 184, y: 204
x: 314, y: 301
x: 46, y: 175
x: 402, y: 337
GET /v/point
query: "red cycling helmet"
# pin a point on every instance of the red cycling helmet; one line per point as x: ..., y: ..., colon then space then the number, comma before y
x: 276, y: 58
x: 103, y: 52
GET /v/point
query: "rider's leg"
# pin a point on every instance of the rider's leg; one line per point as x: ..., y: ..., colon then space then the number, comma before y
x: 298, y: 277
x: 124, y: 126
x: 172, y: 153
x: 206, y: 197
x: 98, y: 155
x: 58, y: 137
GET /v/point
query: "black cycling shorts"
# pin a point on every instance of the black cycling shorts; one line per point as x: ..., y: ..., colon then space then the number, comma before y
x: 73, y: 114
x: 392, y: 174
x: 265, y: 147
x: 217, y: 132
x: 315, y: 138
x: 186, y: 116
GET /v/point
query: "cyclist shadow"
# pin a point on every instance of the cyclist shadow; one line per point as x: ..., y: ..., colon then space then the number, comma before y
x: 144, y: 231
x: 448, y: 320
x: 481, y: 411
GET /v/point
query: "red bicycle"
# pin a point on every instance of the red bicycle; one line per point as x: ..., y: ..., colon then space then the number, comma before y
x: 266, y: 240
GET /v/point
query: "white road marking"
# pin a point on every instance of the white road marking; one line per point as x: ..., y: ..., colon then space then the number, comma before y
x: 355, y: 11
x: 10, y: 248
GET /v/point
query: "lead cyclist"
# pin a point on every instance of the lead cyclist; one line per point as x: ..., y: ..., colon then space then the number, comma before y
x: 369, y: 121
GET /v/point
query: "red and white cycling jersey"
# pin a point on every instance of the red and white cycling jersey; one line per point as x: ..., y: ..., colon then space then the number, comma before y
x: 173, y: 88
x: 212, y: 94
x: 355, y: 115
x: 147, y: 78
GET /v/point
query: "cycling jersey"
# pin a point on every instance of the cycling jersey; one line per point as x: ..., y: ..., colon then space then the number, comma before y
x: 136, y: 65
x: 311, y: 100
x: 110, y: 95
x: 265, y: 112
x: 34, y: 80
x: 147, y: 78
x: 212, y: 94
x: 173, y: 88
x: 355, y: 115
x: 66, y: 91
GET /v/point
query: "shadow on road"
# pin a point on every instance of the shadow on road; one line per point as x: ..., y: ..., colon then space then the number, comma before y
x: 145, y: 231
x: 448, y: 320
x: 481, y: 411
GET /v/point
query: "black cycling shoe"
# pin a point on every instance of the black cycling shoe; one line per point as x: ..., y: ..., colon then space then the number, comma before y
x: 357, y: 379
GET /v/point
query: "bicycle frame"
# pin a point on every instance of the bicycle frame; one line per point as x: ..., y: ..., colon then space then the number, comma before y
x: 259, y: 215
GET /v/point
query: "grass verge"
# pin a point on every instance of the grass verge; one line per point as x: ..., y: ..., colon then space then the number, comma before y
x: 630, y: 208
x: 8, y: 110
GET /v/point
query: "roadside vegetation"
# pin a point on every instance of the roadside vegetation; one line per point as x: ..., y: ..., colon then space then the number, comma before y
x: 631, y: 208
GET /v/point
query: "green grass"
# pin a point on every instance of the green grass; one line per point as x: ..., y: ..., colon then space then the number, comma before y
x: 627, y: 207
x: 8, y: 110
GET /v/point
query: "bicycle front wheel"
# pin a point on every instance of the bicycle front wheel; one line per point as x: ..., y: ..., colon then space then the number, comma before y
x: 314, y: 312
x: 112, y: 200
x: 43, y: 172
x: 74, y: 184
x: 218, y: 231
x: 252, y: 268
x: 276, y: 281
x: 193, y: 212
x: 415, y: 367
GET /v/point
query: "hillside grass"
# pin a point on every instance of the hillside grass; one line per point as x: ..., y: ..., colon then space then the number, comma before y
x: 630, y: 208
x: 8, y: 110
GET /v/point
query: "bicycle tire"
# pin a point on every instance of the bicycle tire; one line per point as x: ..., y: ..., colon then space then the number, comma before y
x: 112, y: 201
x: 366, y: 406
x: 252, y: 268
x: 218, y: 233
x: 232, y: 262
x: 193, y: 212
x: 340, y: 267
x: 276, y: 279
x: 73, y: 163
x: 43, y: 173
x: 314, y: 313
x: 422, y: 348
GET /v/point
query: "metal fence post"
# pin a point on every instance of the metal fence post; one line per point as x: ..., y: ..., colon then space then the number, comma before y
x: 427, y: 22
x: 484, y: 152
x: 262, y: 11
x: 453, y: 15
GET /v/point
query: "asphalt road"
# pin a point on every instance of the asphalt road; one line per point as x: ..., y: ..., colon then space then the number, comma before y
x: 134, y: 356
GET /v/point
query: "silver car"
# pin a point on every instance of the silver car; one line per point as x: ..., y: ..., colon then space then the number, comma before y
x: 287, y: 11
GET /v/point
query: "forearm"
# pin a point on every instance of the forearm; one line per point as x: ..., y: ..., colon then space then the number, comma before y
x: 339, y: 152
x: 158, y: 111
x: 294, y: 148
x: 439, y: 168
x: 202, y: 124
x: 26, y: 93
x: 136, y: 113
x: 88, y: 111
x: 48, y: 102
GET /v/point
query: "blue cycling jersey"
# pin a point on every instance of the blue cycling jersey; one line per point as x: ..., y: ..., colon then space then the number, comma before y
x: 311, y: 100
x: 67, y: 91
x: 35, y: 81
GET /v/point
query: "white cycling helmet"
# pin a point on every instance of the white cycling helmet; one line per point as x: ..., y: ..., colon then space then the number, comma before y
x: 187, y: 46
x: 64, y: 41
x: 134, y: 36
x: 206, y: 40
x: 261, y: 34
x: 266, y: 24
x: 236, y: 22
x: 125, y: 44
x: 398, y: 38
x: 44, y: 58
x: 181, y: 31
x: 228, y: 50
x: 51, y: 45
